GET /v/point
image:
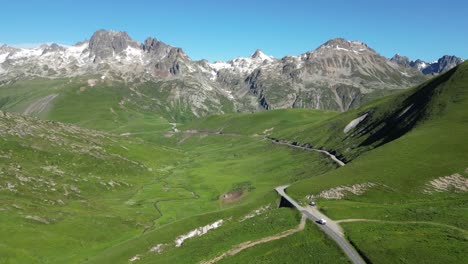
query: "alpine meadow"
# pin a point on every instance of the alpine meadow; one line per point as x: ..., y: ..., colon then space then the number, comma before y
x: 121, y: 149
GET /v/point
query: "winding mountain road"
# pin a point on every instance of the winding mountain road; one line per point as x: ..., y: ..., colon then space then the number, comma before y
x: 331, y: 229
x: 285, y: 143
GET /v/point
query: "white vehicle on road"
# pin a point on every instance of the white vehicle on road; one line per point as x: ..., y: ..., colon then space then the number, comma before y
x: 322, y: 221
x: 312, y: 204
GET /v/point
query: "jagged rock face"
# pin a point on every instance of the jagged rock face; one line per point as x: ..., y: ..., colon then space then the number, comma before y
x: 104, y: 44
x: 110, y: 53
x: 164, y: 58
x: 406, y: 62
x: 338, y: 75
x: 440, y: 66
x: 158, y: 49
x: 401, y: 60
x: 443, y: 64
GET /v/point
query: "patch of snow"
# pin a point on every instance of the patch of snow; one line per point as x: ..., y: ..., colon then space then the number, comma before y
x: 229, y: 94
x: 455, y: 182
x: 354, y: 123
x: 262, y: 56
x: 76, y: 53
x: 197, y: 232
x: 405, y: 74
x: 244, y: 65
x: 422, y: 66
x: 157, y: 249
x: 134, y: 55
x: 255, y: 213
x: 134, y: 258
x: 339, y: 192
x: 26, y: 53
x: 3, y: 57
x: 219, y: 65
x: 343, y: 49
x: 214, y: 75
x: 405, y: 110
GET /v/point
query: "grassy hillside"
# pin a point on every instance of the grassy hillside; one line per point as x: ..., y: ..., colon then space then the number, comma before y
x: 407, y: 167
x: 260, y: 123
x: 80, y: 193
x: 66, y: 189
x: 419, y: 173
x: 77, y: 195
x: 102, y: 104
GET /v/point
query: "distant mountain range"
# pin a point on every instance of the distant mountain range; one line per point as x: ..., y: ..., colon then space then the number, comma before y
x: 441, y: 65
x: 338, y: 75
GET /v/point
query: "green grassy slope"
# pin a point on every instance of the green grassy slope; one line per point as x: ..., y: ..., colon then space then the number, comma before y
x: 81, y: 193
x: 76, y: 195
x: 428, y: 142
x: 104, y: 105
x: 65, y: 190
x: 406, y: 141
x: 309, y: 246
x: 250, y: 124
x: 116, y: 106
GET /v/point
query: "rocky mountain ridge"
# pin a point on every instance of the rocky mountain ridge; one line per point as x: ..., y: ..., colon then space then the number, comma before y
x: 443, y: 64
x: 338, y: 75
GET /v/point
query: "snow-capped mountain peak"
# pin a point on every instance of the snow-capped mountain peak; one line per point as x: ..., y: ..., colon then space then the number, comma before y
x: 244, y: 65
x: 115, y: 49
x: 259, y: 55
x: 343, y: 45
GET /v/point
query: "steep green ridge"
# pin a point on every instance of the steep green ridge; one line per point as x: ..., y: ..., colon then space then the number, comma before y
x: 390, y: 117
x: 429, y: 147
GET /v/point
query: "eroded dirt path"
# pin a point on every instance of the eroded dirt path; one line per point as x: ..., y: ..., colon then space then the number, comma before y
x: 238, y: 248
x: 39, y: 105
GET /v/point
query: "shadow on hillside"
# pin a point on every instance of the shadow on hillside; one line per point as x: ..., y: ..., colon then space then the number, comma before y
x: 414, y: 109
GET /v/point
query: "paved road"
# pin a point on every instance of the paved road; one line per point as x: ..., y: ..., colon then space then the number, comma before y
x: 333, y: 157
x: 332, y: 229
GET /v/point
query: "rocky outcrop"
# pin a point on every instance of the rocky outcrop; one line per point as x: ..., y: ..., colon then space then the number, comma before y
x: 440, y: 66
x: 401, y: 60
x: 105, y: 44
x: 443, y: 64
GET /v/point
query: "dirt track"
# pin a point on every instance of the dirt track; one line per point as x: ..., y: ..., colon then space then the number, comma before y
x: 238, y: 248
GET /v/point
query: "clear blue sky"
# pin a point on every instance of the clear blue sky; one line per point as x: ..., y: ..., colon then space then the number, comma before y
x: 221, y: 30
